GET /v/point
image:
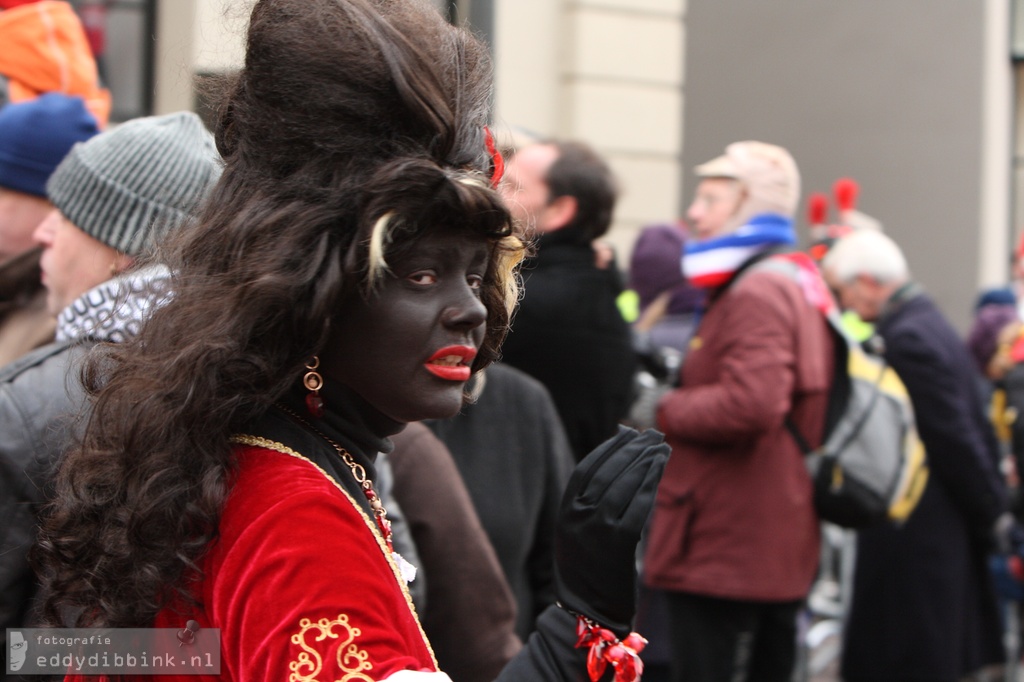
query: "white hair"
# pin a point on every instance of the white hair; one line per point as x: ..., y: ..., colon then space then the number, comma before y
x: 866, y: 252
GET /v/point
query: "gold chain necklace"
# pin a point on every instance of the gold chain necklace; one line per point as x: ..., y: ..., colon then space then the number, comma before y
x: 358, y: 473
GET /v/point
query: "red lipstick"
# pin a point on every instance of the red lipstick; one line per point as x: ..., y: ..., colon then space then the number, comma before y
x: 451, y: 363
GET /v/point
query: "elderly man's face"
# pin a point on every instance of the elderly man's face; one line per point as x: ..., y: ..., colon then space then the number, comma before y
x: 863, y: 295
x: 715, y: 201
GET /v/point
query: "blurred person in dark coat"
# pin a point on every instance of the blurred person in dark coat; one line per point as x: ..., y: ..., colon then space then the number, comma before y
x: 568, y: 332
x: 468, y: 611
x: 924, y: 605
x: 513, y: 455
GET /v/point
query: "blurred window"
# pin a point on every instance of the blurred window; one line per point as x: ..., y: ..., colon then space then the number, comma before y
x: 121, y: 34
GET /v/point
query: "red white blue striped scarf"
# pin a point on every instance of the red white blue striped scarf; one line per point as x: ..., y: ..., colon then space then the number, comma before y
x: 710, y: 263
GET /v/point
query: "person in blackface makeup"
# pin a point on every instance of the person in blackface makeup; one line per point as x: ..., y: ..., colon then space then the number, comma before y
x: 352, y: 269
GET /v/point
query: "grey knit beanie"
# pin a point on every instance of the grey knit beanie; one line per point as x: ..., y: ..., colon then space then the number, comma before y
x: 130, y: 185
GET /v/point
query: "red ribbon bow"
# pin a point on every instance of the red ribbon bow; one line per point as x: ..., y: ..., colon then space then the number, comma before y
x: 606, y: 648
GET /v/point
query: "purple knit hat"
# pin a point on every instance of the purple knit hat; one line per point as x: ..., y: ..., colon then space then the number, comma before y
x: 984, y: 333
x: 656, y: 266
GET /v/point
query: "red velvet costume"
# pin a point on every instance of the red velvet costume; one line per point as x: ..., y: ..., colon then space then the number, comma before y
x: 300, y: 582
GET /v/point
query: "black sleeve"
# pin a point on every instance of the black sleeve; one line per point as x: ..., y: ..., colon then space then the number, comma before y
x: 958, y: 449
x: 1013, y: 385
x: 550, y: 654
x: 558, y: 465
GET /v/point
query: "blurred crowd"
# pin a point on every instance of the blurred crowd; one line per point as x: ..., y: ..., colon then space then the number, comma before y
x: 685, y: 336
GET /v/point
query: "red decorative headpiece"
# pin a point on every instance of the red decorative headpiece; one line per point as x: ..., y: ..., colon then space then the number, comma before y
x: 496, y: 159
x: 817, y: 209
x: 845, y: 191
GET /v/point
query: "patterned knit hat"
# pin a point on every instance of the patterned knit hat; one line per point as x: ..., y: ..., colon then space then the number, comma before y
x: 36, y: 135
x: 128, y: 186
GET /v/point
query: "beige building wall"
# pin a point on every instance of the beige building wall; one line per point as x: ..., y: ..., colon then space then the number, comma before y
x: 610, y: 73
x: 219, y: 38
x: 175, y: 35
x: 195, y: 37
x: 1018, y: 149
x: 994, y: 239
x: 529, y: 64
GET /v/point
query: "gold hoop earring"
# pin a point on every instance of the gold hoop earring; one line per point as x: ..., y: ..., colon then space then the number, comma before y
x: 313, y: 383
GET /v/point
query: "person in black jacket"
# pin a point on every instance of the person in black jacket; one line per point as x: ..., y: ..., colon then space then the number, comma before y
x: 512, y: 452
x: 924, y: 605
x: 568, y: 332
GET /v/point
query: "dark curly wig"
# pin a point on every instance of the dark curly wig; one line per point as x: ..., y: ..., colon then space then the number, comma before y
x: 354, y: 127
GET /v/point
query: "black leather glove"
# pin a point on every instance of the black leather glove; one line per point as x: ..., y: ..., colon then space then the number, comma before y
x: 603, y: 512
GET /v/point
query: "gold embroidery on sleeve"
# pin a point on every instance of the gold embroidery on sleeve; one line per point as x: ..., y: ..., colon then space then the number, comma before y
x: 351, y: 659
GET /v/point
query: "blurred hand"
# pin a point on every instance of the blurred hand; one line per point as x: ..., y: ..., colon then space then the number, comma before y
x: 604, y: 254
x: 1007, y: 535
x: 603, y: 512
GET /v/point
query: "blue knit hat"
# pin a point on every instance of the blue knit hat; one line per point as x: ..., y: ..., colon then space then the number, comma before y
x: 36, y: 135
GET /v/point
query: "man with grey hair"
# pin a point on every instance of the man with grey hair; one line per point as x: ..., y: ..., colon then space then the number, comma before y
x: 923, y: 604
x: 734, y: 540
x: 865, y: 272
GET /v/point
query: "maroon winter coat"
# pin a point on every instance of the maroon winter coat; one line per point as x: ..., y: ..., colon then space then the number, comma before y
x: 734, y: 516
